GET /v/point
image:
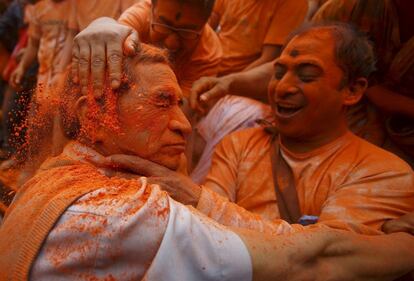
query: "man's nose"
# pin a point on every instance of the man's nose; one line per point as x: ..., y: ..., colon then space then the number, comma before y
x: 287, y: 85
x: 179, y: 123
x: 172, y: 42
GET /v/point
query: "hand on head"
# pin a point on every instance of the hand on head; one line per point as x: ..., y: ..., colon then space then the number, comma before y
x: 103, y: 44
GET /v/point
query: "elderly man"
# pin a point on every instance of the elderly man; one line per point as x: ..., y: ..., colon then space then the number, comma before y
x: 79, y: 218
x: 76, y: 223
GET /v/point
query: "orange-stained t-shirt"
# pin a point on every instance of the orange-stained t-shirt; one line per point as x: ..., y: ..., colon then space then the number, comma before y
x: 87, y: 11
x: 247, y: 25
x: 203, y: 61
x: 49, y: 24
x: 349, y: 183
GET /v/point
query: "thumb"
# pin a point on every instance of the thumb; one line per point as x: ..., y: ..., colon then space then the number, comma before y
x: 132, y: 45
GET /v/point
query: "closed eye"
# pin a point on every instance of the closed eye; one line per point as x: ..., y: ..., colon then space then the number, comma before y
x: 280, y: 70
x: 165, y: 99
x: 308, y: 72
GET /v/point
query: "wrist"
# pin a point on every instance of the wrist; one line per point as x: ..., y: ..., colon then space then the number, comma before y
x: 103, y: 20
x: 196, y: 194
x: 230, y: 80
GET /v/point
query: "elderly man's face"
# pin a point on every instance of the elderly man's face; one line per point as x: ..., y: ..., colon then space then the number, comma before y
x: 305, y: 91
x: 152, y: 124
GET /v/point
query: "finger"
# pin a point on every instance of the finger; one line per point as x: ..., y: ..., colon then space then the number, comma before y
x: 75, y: 62
x: 84, y: 66
x: 132, y: 45
x: 98, y: 68
x: 198, y: 88
x: 138, y: 165
x: 214, y: 93
x: 114, y: 61
x: 17, y: 78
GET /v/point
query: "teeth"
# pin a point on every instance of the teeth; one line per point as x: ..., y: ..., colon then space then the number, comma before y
x: 288, y: 106
x: 287, y: 109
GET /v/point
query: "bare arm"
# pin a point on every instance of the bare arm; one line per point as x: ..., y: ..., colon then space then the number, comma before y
x: 28, y: 58
x: 252, y: 83
x: 269, y: 53
x: 323, y: 254
x: 391, y: 101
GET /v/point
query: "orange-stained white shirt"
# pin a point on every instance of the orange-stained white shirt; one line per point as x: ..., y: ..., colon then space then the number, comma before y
x: 87, y: 11
x: 247, y: 25
x: 203, y: 61
x: 349, y: 183
x: 131, y: 230
x: 49, y: 24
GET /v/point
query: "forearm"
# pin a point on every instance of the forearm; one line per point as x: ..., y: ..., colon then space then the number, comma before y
x: 384, y: 257
x: 269, y: 53
x: 252, y: 83
x: 102, y: 20
x: 336, y: 255
x: 390, y: 101
x: 230, y: 214
x: 30, y: 54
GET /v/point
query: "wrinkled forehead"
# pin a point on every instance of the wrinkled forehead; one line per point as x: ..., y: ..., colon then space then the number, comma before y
x: 156, y: 77
x: 319, y: 43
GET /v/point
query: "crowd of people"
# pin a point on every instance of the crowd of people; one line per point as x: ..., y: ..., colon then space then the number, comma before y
x: 207, y: 140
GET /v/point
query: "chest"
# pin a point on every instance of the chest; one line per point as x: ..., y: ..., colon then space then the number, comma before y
x: 314, y: 180
x: 247, y: 15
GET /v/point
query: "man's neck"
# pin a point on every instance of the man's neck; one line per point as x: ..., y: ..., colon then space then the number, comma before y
x: 304, y: 145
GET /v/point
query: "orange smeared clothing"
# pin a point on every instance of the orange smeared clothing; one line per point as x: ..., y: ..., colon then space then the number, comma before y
x: 349, y: 183
x: 87, y: 11
x: 247, y: 25
x: 202, y: 61
x: 49, y: 24
x: 72, y: 222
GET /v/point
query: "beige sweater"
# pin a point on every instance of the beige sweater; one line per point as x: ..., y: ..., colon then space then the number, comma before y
x: 35, y: 210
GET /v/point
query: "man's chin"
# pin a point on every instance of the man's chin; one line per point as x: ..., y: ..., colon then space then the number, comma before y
x: 175, y: 163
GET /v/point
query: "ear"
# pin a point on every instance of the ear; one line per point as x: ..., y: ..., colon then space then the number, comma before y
x: 95, y: 131
x: 355, y: 91
x: 81, y: 108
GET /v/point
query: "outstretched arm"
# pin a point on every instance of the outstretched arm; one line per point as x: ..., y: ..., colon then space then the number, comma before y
x: 252, y: 83
x: 324, y: 254
x: 28, y: 58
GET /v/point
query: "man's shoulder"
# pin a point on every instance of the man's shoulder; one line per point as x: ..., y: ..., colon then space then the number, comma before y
x: 373, y: 158
x: 248, y: 139
x: 208, y: 48
x: 119, y: 197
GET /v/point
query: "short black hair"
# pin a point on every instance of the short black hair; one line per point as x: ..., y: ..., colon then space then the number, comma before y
x: 205, y: 6
x: 353, y: 51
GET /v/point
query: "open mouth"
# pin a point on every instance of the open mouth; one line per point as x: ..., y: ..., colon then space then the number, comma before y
x: 287, y: 110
